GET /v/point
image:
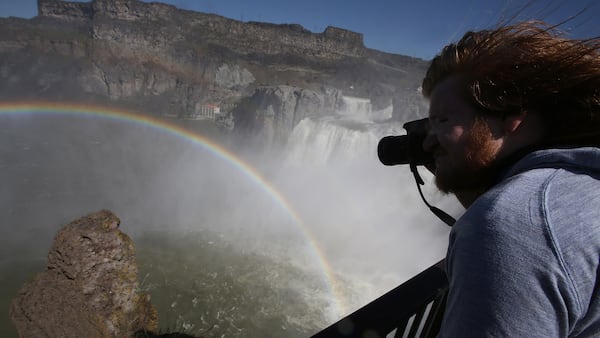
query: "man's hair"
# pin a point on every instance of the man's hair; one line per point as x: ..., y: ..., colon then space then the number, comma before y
x: 528, y: 66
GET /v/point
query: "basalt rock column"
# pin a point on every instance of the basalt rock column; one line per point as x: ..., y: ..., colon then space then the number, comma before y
x: 89, y: 288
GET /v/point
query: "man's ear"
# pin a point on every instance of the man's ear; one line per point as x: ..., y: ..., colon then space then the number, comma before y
x: 512, y: 122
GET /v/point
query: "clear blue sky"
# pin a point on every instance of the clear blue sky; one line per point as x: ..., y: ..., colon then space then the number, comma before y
x: 411, y: 27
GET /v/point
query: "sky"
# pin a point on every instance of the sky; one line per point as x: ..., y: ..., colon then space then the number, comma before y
x: 418, y: 28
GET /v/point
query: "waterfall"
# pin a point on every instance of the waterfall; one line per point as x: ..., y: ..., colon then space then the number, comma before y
x: 329, y: 139
x: 367, y: 218
x: 361, y: 109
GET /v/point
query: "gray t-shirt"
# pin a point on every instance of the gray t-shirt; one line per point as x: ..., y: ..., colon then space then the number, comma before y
x: 523, y: 261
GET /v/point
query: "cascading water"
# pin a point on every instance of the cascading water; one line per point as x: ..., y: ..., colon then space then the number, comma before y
x: 368, y: 218
x: 361, y: 109
x: 321, y: 142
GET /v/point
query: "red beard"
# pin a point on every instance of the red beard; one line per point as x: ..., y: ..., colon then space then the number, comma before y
x: 477, y: 173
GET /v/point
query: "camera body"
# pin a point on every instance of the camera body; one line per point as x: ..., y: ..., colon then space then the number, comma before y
x: 406, y: 149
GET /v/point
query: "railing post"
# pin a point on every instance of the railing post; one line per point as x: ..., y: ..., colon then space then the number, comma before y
x: 393, y: 310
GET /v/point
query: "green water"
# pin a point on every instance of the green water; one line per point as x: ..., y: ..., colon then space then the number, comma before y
x: 205, y: 285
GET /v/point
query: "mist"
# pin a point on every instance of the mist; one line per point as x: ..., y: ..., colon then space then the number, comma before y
x: 221, y: 252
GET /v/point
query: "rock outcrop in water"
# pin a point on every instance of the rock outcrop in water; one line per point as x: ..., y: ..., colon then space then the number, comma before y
x: 89, y: 288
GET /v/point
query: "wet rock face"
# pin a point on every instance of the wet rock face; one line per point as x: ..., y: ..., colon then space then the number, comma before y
x: 89, y: 288
x: 272, y: 112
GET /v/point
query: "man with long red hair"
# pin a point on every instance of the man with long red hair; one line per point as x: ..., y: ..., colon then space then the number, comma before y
x: 515, y: 133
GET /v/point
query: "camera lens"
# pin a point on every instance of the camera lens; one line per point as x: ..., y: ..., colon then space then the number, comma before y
x: 394, y: 150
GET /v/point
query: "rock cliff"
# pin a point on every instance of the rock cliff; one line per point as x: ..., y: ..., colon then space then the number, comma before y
x: 89, y: 288
x: 164, y: 61
x: 275, y: 110
x: 244, y: 38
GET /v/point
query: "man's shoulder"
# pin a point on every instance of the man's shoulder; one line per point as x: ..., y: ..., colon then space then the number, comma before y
x: 550, y: 190
x: 560, y: 205
x: 514, y: 206
x: 512, y: 195
x: 577, y: 160
x: 552, y: 175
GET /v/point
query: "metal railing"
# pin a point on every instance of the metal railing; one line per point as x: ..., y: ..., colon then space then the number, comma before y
x: 413, y: 309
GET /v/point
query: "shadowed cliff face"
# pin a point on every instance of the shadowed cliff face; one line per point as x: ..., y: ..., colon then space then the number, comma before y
x: 160, y: 60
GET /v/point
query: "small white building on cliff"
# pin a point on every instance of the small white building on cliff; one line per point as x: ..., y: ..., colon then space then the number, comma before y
x: 205, y: 111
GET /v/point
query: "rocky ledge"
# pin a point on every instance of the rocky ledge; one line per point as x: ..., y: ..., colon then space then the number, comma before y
x: 89, y: 288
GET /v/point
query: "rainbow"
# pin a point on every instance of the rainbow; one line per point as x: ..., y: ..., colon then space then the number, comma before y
x: 161, y: 125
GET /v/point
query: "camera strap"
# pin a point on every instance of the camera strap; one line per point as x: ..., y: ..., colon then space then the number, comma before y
x: 442, y: 215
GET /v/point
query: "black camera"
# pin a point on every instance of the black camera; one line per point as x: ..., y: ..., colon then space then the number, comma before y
x: 406, y: 149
